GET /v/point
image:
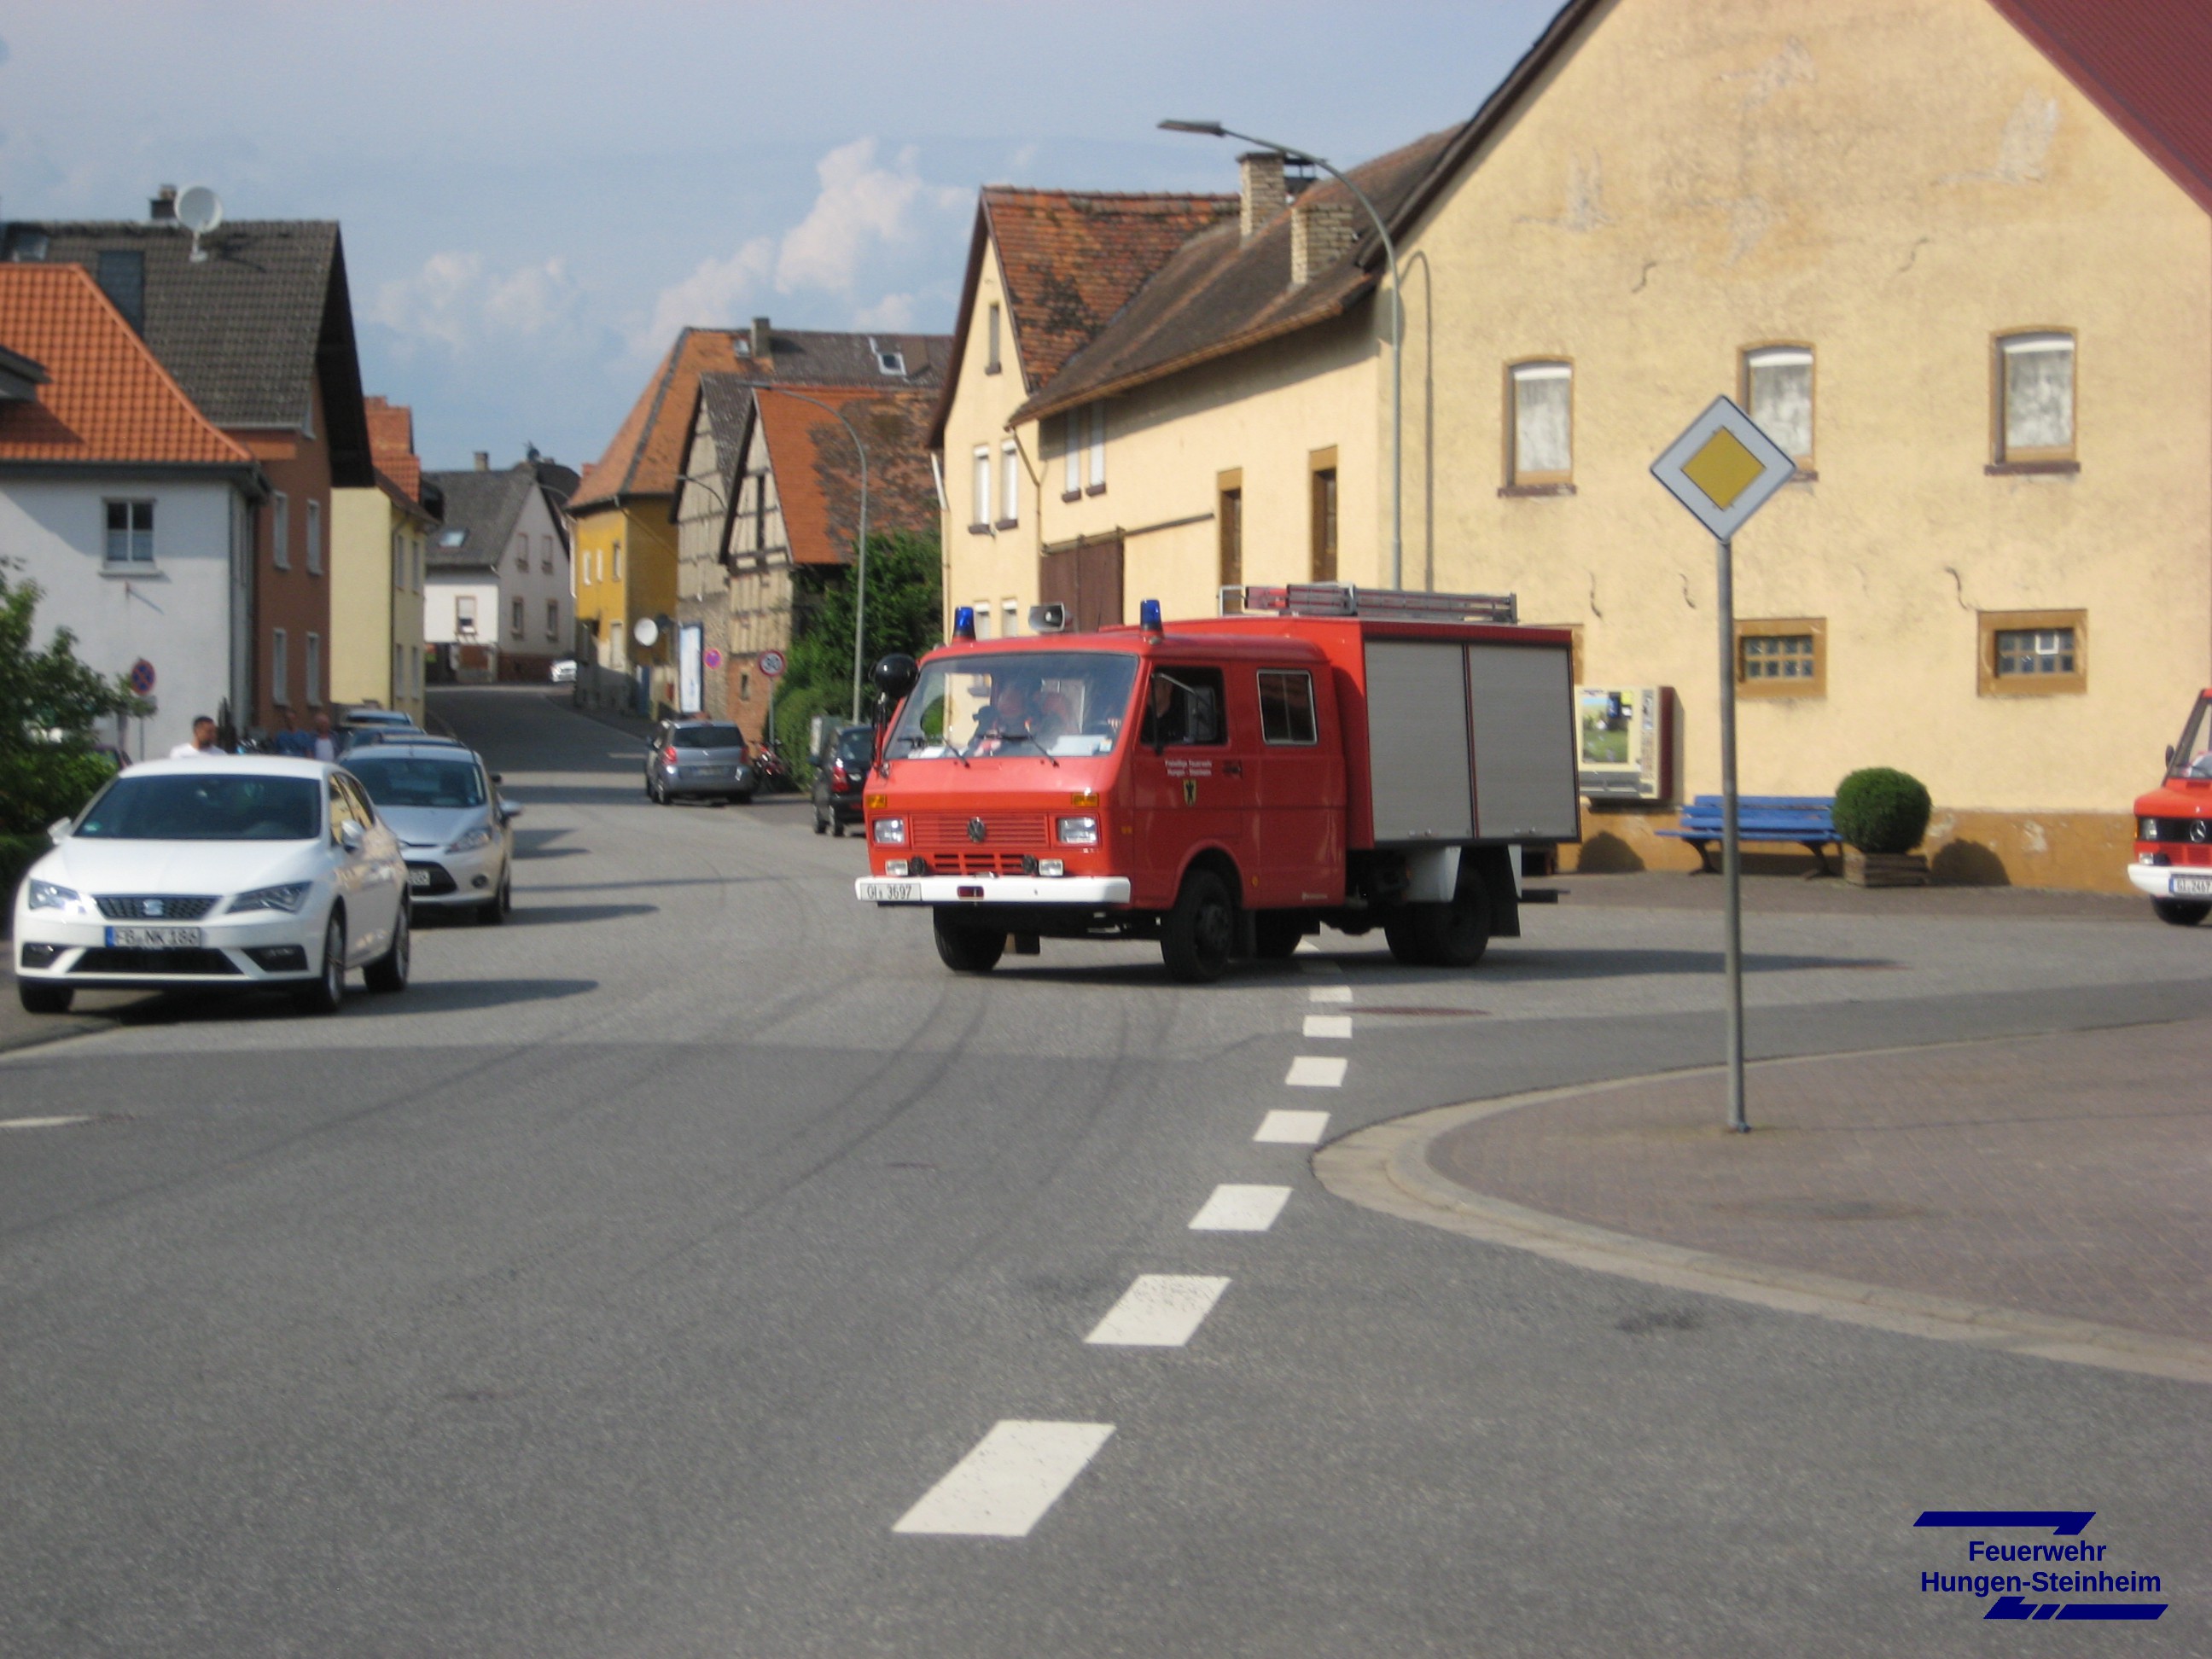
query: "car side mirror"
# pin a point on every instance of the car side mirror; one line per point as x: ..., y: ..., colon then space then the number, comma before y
x: 508, y: 813
x: 59, y: 829
x: 351, y: 835
x: 496, y: 778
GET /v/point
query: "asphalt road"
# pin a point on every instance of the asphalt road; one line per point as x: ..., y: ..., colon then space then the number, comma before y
x: 622, y: 1287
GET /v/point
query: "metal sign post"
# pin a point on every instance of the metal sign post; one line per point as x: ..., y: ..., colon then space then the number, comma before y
x: 771, y: 668
x: 1724, y: 469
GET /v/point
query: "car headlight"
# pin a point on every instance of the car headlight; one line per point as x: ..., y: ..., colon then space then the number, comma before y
x: 1076, y: 832
x: 49, y: 896
x: 888, y: 832
x: 468, y: 840
x: 288, y: 898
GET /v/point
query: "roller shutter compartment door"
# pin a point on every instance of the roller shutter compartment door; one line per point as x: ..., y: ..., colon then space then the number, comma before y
x: 1417, y: 741
x: 1524, y: 742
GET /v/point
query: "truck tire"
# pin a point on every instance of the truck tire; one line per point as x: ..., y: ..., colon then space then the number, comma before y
x: 2182, y: 913
x: 1196, y: 936
x: 1276, y: 933
x: 965, y: 949
x: 1452, y: 935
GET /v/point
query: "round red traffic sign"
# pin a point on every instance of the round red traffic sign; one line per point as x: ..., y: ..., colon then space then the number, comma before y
x: 142, y: 677
x: 771, y: 663
x: 714, y: 658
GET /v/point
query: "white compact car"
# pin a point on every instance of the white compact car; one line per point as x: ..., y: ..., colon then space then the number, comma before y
x: 230, y: 873
x: 453, y: 828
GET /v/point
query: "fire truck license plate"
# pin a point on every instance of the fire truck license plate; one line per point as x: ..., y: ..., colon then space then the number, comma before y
x: 2192, y: 886
x: 895, y: 892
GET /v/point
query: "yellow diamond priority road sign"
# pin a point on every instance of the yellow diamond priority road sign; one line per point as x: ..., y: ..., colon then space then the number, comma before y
x: 1723, y: 469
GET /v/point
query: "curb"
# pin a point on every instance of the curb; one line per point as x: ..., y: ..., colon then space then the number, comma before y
x: 1386, y: 1167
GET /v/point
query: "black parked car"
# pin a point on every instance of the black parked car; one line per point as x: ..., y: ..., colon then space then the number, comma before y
x: 699, y: 760
x: 841, y: 777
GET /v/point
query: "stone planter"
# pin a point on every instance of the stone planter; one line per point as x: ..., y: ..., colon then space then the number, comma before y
x: 1884, y: 869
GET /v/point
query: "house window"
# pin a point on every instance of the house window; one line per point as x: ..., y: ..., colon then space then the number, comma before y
x: 522, y: 552
x: 312, y: 678
x: 280, y: 669
x: 2035, y: 398
x: 514, y: 617
x: 2034, y: 653
x: 399, y: 672
x: 982, y: 519
x: 1098, y: 447
x: 1777, y: 391
x: 745, y: 687
x: 1322, y: 472
x: 617, y: 568
x: 1010, y: 484
x: 1541, y: 427
x: 1010, y: 622
x: 991, y: 342
x: 314, y: 538
x: 464, y: 616
x: 280, y: 520
x: 129, y: 532
x: 399, y: 560
x: 983, y: 608
x: 1071, y: 483
x: 1786, y: 657
x: 546, y: 554
x: 1286, y: 706
x: 553, y: 619
x: 1229, y: 519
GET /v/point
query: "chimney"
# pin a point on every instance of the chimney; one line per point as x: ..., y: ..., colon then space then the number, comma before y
x: 761, y: 352
x: 484, y: 460
x: 1262, y: 189
x: 1321, y: 232
x: 162, y: 210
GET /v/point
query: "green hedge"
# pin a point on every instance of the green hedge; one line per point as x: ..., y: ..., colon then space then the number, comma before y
x: 1879, y: 810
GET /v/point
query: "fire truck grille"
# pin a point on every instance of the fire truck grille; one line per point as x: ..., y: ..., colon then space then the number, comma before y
x: 954, y: 832
x: 976, y: 864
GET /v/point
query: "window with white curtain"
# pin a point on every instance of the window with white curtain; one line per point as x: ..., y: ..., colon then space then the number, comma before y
x: 1098, y: 446
x: 1777, y: 384
x: 1010, y: 477
x: 1071, y: 483
x: 2036, y: 389
x: 982, y: 516
x: 1543, y: 423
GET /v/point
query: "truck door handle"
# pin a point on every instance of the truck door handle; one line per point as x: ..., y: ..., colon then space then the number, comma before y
x: 1233, y: 768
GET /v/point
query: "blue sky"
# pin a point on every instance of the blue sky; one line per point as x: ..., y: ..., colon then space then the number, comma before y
x: 535, y: 197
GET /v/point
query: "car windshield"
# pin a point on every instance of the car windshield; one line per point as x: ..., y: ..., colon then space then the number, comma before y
x: 707, y: 737
x: 417, y: 781
x: 1016, y: 703
x: 2192, y: 755
x: 210, y: 806
x: 856, y: 745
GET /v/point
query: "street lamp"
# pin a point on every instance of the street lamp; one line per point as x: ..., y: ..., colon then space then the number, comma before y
x: 860, y: 593
x: 1303, y: 158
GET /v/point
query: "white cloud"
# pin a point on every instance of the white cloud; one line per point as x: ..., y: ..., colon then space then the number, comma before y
x: 453, y: 302
x: 715, y: 295
x: 893, y: 314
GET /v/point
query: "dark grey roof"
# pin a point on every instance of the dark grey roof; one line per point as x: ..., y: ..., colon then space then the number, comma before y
x: 244, y: 331
x: 820, y: 358
x: 485, y: 506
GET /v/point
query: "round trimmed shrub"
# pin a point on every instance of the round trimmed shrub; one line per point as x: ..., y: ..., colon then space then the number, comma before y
x: 1881, y: 809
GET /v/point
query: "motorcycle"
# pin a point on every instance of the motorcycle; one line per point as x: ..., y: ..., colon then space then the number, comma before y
x: 773, y: 770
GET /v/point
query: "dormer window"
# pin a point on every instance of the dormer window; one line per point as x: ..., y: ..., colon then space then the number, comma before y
x: 892, y: 363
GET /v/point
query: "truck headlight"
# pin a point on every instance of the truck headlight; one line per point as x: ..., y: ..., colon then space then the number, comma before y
x: 47, y: 895
x: 888, y: 832
x: 1076, y: 831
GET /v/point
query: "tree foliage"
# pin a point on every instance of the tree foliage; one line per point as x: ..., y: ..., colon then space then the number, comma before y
x: 905, y: 611
x: 50, y: 703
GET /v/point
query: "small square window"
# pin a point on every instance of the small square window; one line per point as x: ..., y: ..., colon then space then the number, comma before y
x: 1783, y: 658
x: 2033, y: 652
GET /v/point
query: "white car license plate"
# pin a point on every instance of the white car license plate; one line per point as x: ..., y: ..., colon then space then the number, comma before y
x: 418, y: 877
x: 2193, y: 886
x: 895, y: 892
x: 153, y: 938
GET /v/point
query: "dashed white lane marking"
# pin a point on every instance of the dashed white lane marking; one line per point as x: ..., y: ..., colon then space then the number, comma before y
x: 1003, y: 1488
x: 1338, y: 1026
x: 1316, y: 1071
x: 1329, y: 994
x: 1234, y: 1209
x: 1293, y: 1128
x: 39, y: 1122
x: 1160, y: 1310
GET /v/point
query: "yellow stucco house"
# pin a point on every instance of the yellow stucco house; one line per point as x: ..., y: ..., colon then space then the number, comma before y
x: 379, y: 537
x: 1955, y: 254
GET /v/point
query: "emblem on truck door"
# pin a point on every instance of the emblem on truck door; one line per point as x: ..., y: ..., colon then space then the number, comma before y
x: 1190, y: 792
x: 975, y: 829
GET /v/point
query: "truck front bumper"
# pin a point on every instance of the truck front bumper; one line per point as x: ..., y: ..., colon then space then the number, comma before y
x: 2166, y: 881
x: 1088, y: 892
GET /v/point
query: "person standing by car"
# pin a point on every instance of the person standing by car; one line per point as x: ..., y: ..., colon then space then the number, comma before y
x: 323, y: 746
x: 202, y: 747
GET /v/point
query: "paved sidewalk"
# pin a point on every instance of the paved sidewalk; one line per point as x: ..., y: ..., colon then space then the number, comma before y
x: 2066, y: 1176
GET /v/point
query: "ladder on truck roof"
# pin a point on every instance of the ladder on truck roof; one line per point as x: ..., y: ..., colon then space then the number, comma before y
x: 1345, y: 599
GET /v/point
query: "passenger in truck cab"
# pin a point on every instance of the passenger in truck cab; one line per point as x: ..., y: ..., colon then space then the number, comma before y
x: 1010, y: 718
x: 1177, y: 713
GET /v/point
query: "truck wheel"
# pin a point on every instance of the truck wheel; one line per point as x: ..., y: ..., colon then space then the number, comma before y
x: 965, y: 949
x: 1197, y: 934
x: 1276, y: 933
x: 2182, y: 913
x: 1452, y: 935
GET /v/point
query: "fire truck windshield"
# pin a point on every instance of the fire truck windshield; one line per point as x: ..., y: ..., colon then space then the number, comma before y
x: 1017, y: 702
x: 2192, y: 755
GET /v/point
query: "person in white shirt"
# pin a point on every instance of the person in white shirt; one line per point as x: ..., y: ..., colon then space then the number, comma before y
x: 326, y: 747
x: 202, y: 747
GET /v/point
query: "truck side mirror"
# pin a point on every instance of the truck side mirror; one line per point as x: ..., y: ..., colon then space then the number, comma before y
x: 894, y: 676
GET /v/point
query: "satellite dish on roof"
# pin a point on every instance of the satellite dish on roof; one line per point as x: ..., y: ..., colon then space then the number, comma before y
x: 199, y: 210
x: 646, y: 632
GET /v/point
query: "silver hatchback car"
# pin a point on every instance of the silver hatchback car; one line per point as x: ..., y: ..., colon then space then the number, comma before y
x: 457, y: 834
x: 700, y: 760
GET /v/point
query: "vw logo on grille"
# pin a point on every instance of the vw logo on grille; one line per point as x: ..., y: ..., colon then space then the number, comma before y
x: 2201, y: 830
x: 975, y: 829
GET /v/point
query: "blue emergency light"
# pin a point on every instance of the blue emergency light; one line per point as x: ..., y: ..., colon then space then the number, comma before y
x: 1148, y: 616
x: 963, y: 624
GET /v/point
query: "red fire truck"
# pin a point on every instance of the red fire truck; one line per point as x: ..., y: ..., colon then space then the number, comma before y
x: 2173, y: 826
x: 1226, y: 786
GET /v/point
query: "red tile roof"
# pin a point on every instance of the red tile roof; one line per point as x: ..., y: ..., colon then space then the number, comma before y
x: 2147, y: 63
x: 391, y: 441
x: 817, y: 472
x: 106, y: 397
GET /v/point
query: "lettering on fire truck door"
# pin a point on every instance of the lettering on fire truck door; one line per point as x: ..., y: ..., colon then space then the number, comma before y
x: 1191, y: 782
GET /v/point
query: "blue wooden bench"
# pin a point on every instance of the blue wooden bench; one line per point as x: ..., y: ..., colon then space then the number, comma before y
x: 1807, y: 820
